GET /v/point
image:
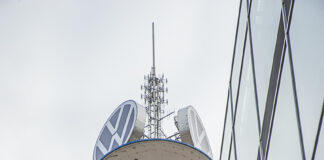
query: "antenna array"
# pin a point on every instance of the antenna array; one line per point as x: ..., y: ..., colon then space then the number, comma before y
x: 154, y: 98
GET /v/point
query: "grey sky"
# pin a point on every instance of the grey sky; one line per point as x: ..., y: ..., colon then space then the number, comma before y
x: 65, y: 65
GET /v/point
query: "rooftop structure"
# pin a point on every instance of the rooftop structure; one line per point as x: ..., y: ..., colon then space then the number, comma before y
x: 135, y: 132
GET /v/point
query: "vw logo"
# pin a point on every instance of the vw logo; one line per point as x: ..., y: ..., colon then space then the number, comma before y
x: 117, y: 129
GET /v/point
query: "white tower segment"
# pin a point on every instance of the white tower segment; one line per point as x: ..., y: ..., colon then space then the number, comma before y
x: 154, y: 90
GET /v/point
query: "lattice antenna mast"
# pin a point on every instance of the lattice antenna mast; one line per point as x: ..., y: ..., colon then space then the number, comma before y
x: 154, y: 91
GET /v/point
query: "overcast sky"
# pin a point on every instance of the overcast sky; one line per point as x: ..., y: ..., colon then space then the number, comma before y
x: 65, y: 65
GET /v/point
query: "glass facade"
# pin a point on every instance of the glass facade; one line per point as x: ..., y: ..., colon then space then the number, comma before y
x: 275, y: 103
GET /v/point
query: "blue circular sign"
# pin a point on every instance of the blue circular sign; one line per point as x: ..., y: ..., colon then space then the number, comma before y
x: 117, y: 129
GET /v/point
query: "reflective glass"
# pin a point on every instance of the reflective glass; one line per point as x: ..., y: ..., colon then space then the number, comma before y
x: 227, y: 134
x: 306, y: 34
x: 264, y: 19
x: 284, y: 142
x: 246, y: 123
x: 239, y: 49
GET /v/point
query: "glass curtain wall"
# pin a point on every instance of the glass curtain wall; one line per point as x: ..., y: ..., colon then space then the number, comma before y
x: 275, y: 98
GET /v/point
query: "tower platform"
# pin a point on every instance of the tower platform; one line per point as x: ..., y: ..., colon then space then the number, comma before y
x: 156, y: 149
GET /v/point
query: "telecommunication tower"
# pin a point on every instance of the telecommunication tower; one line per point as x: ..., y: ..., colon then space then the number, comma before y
x: 134, y: 131
x: 154, y: 98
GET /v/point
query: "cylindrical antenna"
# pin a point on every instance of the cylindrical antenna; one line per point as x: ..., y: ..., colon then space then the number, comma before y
x: 153, y: 48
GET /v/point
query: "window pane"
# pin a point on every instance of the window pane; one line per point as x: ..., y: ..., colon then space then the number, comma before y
x: 306, y: 33
x: 284, y: 143
x: 265, y: 16
x: 246, y: 124
x: 227, y: 134
x: 239, y: 49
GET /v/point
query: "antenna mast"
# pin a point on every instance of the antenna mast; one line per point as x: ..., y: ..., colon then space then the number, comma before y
x: 153, y: 47
x: 154, y: 98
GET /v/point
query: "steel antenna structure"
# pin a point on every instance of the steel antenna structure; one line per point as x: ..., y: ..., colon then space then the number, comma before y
x: 154, y: 98
x: 134, y: 131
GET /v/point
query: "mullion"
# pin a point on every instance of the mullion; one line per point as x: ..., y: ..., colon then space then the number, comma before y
x: 239, y: 86
x: 230, y: 83
x: 291, y: 8
x: 235, y: 42
x: 230, y: 149
x: 255, y: 84
x: 233, y: 130
x: 318, y: 132
x: 273, y: 89
x: 220, y: 155
x: 282, y: 60
x: 254, y: 81
x: 253, y: 71
x: 287, y: 40
x: 240, y: 77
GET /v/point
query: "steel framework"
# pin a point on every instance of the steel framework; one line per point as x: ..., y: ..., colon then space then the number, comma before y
x: 154, y: 98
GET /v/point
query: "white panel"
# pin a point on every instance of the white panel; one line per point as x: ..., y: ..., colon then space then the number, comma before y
x: 192, y: 130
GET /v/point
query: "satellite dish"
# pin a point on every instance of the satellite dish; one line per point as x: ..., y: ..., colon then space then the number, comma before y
x: 125, y: 124
x: 191, y: 129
